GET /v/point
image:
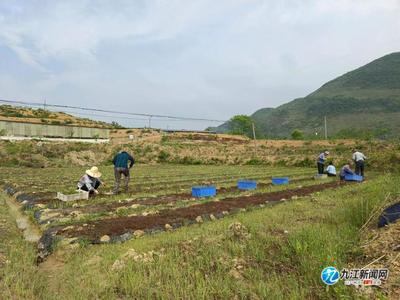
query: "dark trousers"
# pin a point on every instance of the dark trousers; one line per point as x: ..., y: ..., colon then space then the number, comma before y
x: 331, y: 175
x: 360, y: 168
x: 118, y: 172
x: 320, y: 168
x: 96, y: 186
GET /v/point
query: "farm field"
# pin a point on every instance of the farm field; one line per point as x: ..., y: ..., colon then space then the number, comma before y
x: 159, y: 199
x: 157, y: 241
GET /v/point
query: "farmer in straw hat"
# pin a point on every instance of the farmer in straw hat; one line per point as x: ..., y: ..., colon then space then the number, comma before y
x: 90, y: 182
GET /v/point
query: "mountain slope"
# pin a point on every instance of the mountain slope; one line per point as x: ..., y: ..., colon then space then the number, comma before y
x: 362, y: 102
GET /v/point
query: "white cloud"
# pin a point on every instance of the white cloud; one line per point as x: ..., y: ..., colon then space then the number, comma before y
x: 202, y: 57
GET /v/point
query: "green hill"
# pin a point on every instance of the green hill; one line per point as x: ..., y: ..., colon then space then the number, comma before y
x: 363, y: 102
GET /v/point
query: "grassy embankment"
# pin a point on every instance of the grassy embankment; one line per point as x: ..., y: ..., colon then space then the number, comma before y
x: 278, y: 255
x: 172, y: 149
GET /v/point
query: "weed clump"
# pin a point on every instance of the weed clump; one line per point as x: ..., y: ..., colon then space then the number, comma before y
x: 237, y: 231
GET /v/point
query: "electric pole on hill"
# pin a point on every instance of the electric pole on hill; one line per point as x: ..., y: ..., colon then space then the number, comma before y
x: 326, y: 129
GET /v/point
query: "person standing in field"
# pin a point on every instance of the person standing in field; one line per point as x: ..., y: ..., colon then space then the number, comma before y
x: 321, y: 161
x: 121, y: 167
x: 346, y: 170
x: 359, y: 158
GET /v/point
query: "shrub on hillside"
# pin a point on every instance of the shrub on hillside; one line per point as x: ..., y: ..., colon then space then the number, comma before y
x: 297, y: 134
x: 255, y: 161
x: 163, y: 156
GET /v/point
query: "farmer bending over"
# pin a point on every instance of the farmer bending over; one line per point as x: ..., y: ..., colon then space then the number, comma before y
x: 321, y: 161
x: 120, y: 162
x: 346, y: 170
x: 359, y: 159
x: 90, y: 182
x: 331, y: 170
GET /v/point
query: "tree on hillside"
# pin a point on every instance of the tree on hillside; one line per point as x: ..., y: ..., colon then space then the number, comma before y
x: 116, y: 125
x: 297, y: 134
x: 242, y: 125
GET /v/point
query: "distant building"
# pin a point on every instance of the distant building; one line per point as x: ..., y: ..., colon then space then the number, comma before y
x: 19, y: 129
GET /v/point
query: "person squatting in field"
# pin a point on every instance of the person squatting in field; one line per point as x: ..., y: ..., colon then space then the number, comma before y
x: 321, y: 161
x: 121, y: 167
x: 359, y: 158
x: 331, y: 170
x: 90, y: 182
x: 346, y: 170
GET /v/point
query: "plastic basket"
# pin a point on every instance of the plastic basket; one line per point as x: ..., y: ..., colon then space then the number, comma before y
x: 81, y: 195
x: 247, y: 185
x: 353, y: 177
x: 204, y: 191
x: 280, y: 180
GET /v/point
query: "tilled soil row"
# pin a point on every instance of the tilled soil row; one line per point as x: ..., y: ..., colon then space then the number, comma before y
x: 125, y: 226
x: 162, y: 200
x: 46, y: 198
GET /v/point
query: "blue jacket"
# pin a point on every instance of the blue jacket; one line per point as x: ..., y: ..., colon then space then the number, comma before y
x: 121, y: 160
x: 346, y: 171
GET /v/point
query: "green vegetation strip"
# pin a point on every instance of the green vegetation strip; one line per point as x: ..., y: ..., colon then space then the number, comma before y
x: 19, y: 278
x: 64, y: 179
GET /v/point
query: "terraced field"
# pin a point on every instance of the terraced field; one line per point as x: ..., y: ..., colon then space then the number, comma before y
x: 159, y: 199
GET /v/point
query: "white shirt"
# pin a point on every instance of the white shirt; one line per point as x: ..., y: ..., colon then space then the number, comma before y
x: 358, y: 156
x: 331, y: 170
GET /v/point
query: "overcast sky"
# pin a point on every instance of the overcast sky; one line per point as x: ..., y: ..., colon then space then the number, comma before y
x: 197, y: 58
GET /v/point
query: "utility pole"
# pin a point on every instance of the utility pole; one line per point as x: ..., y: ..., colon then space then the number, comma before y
x: 326, y: 129
x: 150, y: 121
x: 44, y: 104
x: 254, y: 138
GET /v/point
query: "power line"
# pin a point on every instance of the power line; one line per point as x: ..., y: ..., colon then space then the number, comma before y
x: 116, y: 117
x: 110, y: 111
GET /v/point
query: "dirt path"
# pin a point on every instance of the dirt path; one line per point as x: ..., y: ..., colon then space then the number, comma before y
x: 30, y: 231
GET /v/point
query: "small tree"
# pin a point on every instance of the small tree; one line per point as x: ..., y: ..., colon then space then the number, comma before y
x: 297, y: 134
x: 241, y: 124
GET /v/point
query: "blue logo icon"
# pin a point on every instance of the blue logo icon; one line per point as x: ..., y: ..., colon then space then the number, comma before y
x: 330, y: 275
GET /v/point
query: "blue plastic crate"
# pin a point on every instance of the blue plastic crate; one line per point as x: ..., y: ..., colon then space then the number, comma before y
x: 280, y: 180
x: 247, y: 185
x: 353, y: 177
x: 204, y: 191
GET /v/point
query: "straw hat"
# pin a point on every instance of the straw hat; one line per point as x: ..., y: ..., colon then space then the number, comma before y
x: 94, y: 172
x: 326, y: 152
